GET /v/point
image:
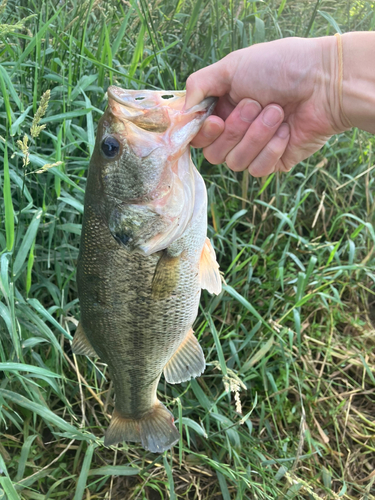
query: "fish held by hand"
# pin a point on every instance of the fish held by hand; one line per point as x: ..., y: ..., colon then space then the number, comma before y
x: 144, y: 257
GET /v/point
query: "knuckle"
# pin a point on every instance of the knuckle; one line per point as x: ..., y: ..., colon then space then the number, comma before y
x: 235, y: 126
x: 256, y: 139
x: 276, y: 147
x: 232, y: 134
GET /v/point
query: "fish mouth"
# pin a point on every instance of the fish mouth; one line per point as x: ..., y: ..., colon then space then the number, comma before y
x: 148, y: 99
x: 159, y: 110
x: 206, y: 106
x: 139, y: 100
x: 142, y: 100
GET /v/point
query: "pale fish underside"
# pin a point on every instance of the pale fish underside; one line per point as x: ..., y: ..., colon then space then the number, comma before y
x: 144, y: 257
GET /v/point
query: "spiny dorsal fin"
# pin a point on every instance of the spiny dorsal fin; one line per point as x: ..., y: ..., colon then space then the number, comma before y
x: 166, y: 276
x: 187, y: 362
x: 209, y: 269
x: 81, y: 344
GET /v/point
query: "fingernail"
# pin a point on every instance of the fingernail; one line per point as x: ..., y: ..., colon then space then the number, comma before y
x: 283, y: 131
x: 250, y: 110
x: 272, y: 116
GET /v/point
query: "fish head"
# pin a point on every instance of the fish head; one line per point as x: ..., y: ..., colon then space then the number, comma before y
x: 143, y: 133
x: 142, y: 154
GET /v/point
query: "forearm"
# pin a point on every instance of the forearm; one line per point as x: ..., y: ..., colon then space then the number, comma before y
x: 358, y: 79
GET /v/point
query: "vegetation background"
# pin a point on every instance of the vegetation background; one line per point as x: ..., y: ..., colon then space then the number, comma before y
x: 290, y: 339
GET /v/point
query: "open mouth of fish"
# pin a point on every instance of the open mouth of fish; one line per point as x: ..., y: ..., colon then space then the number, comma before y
x: 161, y: 112
x: 140, y: 102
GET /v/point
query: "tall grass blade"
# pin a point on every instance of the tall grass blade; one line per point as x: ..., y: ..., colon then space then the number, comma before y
x: 331, y: 21
x: 15, y: 126
x: 43, y: 311
x: 312, y: 18
x: 10, y: 492
x: 122, y: 30
x: 34, y: 41
x: 22, y: 367
x: 246, y: 304
x: 82, y: 480
x: 27, y: 242
x: 30, y: 263
x: 114, y: 470
x: 8, y: 202
x: 24, y: 456
x: 5, y: 95
x: 46, y: 414
x: 223, y: 486
x: 138, y: 51
x: 219, y: 349
x: 168, y: 468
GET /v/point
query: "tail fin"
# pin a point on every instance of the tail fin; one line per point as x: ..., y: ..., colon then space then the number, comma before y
x: 156, y: 430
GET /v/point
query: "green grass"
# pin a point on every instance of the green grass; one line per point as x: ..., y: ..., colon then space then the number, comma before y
x: 291, y: 338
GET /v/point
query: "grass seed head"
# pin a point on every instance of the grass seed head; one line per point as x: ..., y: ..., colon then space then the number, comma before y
x: 24, y: 147
x: 35, y: 129
x: 47, y: 166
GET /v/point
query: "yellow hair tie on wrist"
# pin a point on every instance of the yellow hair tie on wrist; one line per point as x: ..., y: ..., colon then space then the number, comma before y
x: 341, y: 72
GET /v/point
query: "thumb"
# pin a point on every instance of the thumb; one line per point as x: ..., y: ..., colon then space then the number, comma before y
x: 212, y: 81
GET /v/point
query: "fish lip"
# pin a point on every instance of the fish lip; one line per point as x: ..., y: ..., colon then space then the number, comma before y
x: 207, y: 106
x: 140, y: 99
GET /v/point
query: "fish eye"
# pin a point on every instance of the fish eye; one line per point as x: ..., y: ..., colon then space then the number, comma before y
x: 110, y: 147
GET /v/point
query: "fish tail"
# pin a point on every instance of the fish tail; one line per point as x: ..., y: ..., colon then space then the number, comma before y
x: 156, y: 430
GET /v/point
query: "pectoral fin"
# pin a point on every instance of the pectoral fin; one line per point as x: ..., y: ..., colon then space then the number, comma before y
x: 209, y: 269
x: 81, y: 344
x: 187, y: 362
x: 166, y: 276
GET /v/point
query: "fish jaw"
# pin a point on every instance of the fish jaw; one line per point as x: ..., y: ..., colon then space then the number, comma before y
x: 159, y: 112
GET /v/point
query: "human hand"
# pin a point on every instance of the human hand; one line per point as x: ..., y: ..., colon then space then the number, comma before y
x: 278, y: 104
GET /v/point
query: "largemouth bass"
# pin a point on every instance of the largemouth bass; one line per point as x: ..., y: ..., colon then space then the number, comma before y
x: 144, y: 257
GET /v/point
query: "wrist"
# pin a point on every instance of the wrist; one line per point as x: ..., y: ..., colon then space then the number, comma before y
x: 332, y: 83
x: 358, y: 79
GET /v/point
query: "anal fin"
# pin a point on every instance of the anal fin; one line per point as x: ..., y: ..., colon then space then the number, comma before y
x: 156, y: 430
x: 187, y: 362
x: 81, y: 344
x: 166, y: 276
x: 209, y: 269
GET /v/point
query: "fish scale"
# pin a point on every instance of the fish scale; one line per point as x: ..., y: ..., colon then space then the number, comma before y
x: 144, y: 258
